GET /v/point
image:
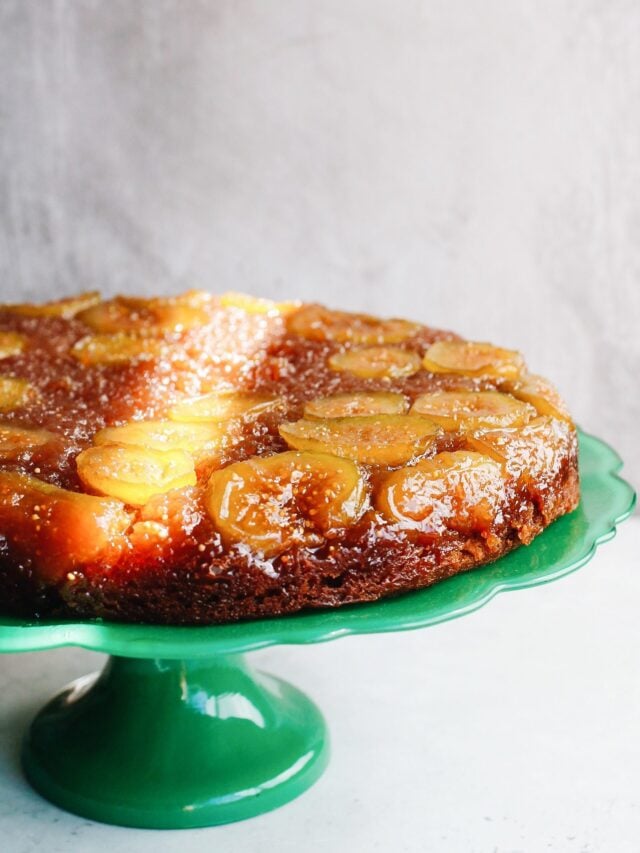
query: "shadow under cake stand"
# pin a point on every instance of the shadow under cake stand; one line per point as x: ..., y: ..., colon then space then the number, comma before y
x: 178, y: 732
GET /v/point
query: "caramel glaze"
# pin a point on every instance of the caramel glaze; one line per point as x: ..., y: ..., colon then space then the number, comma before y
x: 192, y: 577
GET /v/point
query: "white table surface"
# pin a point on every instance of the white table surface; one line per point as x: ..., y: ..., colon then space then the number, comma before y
x: 513, y: 729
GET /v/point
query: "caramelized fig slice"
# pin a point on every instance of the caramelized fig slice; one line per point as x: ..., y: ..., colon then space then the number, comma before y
x: 541, y: 394
x: 273, y: 502
x: 316, y: 323
x: 16, y: 440
x: 376, y: 362
x: 15, y: 393
x: 463, y: 491
x: 255, y: 305
x: 11, y: 343
x: 58, y: 529
x: 117, y: 349
x: 535, y: 452
x: 372, y: 439
x: 65, y: 308
x: 149, y: 535
x: 473, y: 410
x: 134, y: 474
x: 473, y: 358
x: 157, y: 315
x: 199, y: 440
x: 224, y: 405
x: 357, y: 403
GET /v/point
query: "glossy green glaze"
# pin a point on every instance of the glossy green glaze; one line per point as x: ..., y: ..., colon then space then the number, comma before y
x: 175, y: 744
x: 177, y: 733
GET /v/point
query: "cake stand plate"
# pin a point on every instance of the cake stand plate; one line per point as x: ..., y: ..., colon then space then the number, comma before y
x: 178, y: 732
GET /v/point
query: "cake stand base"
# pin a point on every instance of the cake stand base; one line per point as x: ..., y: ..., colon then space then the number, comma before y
x: 175, y: 743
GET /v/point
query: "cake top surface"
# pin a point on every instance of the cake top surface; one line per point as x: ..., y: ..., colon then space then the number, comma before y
x: 173, y: 431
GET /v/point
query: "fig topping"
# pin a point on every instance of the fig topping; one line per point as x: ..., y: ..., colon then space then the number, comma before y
x: 134, y: 474
x: 357, y: 403
x: 462, y: 490
x: 472, y: 358
x: 255, y: 305
x: 152, y: 316
x: 224, y: 405
x: 541, y: 394
x: 65, y: 308
x: 60, y: 529
x: 376, y: 362
x: 11, y: 343
x: 273, y: 502
x: 117, y: 349
x: 199, y: 440
x: 372, y: 439
x: 321, y: 324
x: 15, y: 393
x: 473, y: 410
x: 17, y: 440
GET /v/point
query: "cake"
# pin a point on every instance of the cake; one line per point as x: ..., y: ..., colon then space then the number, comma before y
x: 201, y: 459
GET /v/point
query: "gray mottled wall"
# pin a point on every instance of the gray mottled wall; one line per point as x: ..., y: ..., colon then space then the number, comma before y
x: 473, y: 164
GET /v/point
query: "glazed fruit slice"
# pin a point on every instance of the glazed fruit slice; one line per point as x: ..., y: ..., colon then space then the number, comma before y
x: 472, y: 358
x: 158, y: 315
x: 11, y: 343
x: 272, y: 502
x: 357, y: 403
x: 376, y: 362
x: 15, y: 393
x: 532, y: 453
x: 148, y: 535
x: 462, y: 491
x: 372, y: 439
x: 316, y: 323
x: 133, y: 474
x: 117, y: 349
x: 255, y: 305
x: 179, y: 511
x: 199, y: 440
x: 16, y: 441
x: 224, y: 405
x: 60, y: 529
x: 541, y: 394
x: 473, y: 410
x: 65, y: 308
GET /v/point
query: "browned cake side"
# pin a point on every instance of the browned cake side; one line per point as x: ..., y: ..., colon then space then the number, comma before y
x: 202, y: 459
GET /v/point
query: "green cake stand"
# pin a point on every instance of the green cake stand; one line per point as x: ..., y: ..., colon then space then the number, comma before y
x: 178, y: 732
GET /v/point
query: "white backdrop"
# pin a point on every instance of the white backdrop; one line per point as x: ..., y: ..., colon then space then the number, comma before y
x: 472, y: 164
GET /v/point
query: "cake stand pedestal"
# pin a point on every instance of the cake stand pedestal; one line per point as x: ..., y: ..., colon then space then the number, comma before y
x: 178, y: 732
x: 175, y: 743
